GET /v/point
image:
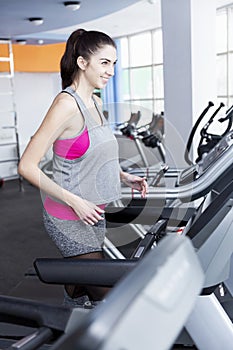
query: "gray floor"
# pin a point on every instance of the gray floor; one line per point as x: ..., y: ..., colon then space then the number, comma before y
x: 23, y: 239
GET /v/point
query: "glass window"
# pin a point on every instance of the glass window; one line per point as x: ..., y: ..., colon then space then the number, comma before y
x: 230, y: 103
x: 225, y: 55
x: 141, y: 83
x: 158, y: 106
x: 143, y: 79
x: 222, y: 75
x: 142, y: 55
x: 230, y: 72
x: 221, y: 26
x: 140, y: 49
x: 230, y: 29
x: 123, y: 112
x: 146, y: 109
x: 158, y: 81
x: 222, y: 99
x: 124, y: 53
x: 146, y: 106
x: 157, y: 46
x: 125, y: 80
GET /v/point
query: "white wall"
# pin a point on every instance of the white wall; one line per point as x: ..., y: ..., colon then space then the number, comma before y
x: 34, y: 92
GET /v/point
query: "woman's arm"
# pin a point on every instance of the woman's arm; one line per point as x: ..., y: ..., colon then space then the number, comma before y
x: 56, y: 123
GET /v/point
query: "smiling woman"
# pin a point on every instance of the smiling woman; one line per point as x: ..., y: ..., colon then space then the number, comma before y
x: 86, y: 171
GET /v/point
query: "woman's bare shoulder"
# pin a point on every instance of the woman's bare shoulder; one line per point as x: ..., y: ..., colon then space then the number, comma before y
x: 65, y: 101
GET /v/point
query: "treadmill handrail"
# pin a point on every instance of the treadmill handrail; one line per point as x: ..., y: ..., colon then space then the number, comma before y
x: 33, y: 313
x: 82, y: 271
x: 46, y: 268
x: 196, y: 189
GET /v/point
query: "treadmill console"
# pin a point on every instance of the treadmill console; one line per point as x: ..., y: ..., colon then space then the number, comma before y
x: 224, y: 144
x: 193, y: 172
x: 188, y: 175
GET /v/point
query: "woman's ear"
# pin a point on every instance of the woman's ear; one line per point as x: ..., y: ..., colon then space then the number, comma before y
x: 81, y: 62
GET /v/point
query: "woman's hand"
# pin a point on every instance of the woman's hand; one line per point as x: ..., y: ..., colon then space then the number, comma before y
x: 136, y: 182
x: 87, y: 211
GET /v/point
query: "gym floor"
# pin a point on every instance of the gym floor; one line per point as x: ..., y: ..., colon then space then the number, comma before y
x: 23, y: 239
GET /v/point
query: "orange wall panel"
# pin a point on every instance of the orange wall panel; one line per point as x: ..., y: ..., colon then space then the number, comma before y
x: 4, y: 66
x: 34, y: 58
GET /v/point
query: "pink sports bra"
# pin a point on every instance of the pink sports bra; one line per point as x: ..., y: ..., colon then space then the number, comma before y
x: 72, y: 148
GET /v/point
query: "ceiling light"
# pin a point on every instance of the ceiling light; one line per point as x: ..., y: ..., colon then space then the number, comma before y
x: 37, y: 21
x: 21, y: 41
x: 72, y: 5
x: 40, y: 41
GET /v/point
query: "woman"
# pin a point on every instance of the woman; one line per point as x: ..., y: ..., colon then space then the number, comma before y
x: 86, y: 172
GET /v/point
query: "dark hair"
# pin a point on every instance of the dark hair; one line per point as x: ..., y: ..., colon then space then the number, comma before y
x: 80, y: 43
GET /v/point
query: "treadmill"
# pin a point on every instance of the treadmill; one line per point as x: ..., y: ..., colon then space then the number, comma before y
x: 148, y: 295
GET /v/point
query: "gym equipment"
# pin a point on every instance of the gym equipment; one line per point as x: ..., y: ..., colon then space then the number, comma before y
x: 207, y: 229
x: 214, y: 176
x: 146, y: 134
x: 218, y: 164
x: 206, y: 143
x: 181, y: 201
x: 214, y: 252
x: 159, y: 289
x: 177, y: 195
x: 198, y: 179
x: 208, y: 140
x: 211, y: 234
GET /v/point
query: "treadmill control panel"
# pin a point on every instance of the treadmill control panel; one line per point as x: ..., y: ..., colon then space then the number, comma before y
x: 188, y: 175
x: 195, y: 171
x: 217, y: 151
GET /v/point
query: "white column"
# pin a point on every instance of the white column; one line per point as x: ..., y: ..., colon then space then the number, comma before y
x: 189, y: 68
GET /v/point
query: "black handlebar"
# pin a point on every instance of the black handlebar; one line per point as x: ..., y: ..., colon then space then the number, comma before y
x: 193, y: 131
x: 33, y: 313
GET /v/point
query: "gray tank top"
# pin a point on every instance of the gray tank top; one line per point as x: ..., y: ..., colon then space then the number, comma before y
x: 95, y: 175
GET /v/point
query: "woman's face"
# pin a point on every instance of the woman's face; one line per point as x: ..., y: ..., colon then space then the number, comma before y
x: 100, y: 67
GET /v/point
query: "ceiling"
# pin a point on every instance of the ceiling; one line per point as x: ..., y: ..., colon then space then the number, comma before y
x: 116, y: 18
x: 14, y: 14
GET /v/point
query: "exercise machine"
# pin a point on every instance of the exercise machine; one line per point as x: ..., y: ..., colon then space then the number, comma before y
x: 206, y: 143
x: 210, y: 229
x: 209, y: 325
x: 158, y: 290
x: 178, y: 203
x: 144, y: 135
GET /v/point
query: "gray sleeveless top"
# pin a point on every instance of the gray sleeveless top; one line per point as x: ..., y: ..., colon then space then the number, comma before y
x: 95, y: 175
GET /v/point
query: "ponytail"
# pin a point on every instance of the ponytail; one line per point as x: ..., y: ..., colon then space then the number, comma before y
x: 68, y: 65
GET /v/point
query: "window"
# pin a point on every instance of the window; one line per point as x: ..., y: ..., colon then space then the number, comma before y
x: 142, y: 66
x: 224, y: 46
x: 140, y: 50
x: 142, y: 73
